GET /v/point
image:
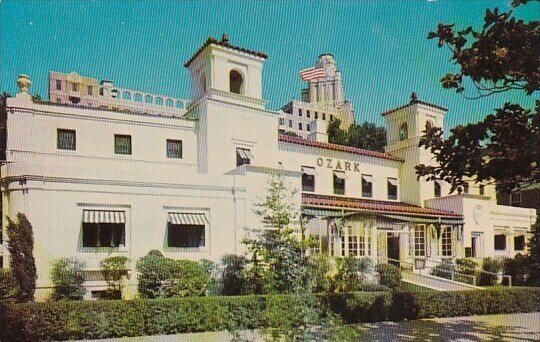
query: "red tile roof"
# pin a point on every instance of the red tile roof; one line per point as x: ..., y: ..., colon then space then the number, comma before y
x: 412, y: 103
x: 349, y: 149
x: 372, y: 206
x: 224, y: 43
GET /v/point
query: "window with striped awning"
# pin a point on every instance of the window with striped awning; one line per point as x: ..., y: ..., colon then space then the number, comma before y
x: 187, y: 218
x: 187, y: 230
x: 104, y: 216
x: 103, y: 228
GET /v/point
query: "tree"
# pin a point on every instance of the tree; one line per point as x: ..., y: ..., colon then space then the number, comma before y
x: 533, y: 255
x: 501, y: 56
x: 22, y: 263
x: 67, y: 275
x: 114, y: 270
x: 367, y: 136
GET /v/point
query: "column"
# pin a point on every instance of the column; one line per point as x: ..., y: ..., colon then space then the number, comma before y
x: 374, y: 242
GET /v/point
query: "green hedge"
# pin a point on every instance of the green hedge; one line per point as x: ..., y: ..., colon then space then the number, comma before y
x: 116, y: 318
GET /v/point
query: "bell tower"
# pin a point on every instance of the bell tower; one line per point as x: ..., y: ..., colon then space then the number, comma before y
x: 405, y: 126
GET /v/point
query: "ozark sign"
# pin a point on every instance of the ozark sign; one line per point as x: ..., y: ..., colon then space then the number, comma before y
x: 338, y: 164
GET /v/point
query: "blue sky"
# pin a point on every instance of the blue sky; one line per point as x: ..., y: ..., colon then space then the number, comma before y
x: 380, y: 46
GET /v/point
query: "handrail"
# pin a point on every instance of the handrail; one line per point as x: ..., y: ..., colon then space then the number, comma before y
x: 453, y: 265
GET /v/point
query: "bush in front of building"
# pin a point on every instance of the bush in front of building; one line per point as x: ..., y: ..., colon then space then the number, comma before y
x: 389, y: 275
x: 9, y: 288
x: 115, y: 270
x: 318, y: 273
x: 160, y: 277
x: 78, y: 320
x: 116, y: 318
x: 517, y: 268
x: 493, y: 266
x: 351, y: 274
x: 67, y: 275
x: 234, y: 277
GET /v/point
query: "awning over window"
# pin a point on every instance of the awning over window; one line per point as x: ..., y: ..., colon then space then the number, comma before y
x: 393, y: 181
x: 340, y: 175
x: 104, y: 216
x: 183, y: 218
x: 310, y: 171
x: 244, y: 153
x: 367, y: 178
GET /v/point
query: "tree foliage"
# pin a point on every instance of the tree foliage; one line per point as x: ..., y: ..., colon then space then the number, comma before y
x: 367, y: 135
x: 504, y: 148
x: 115, y: 270
x: 67, y: 275
x: 533, y: 255
x: 22, y: 262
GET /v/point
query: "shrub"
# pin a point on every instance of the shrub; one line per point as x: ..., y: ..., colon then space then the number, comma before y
x: 116, y: 318
x: 234, y: 276
x: 22, y: 263
x: 318, y: 269
x: 389, y: 275
x: 466, y: 266
x: 9, y: 289
x: 114, y: 269
x: 443, y: 270
x: 351, y: 273
x: 161, y: 277
x: 492, y: 266
x: 517, y: 268
x: 67, y: 275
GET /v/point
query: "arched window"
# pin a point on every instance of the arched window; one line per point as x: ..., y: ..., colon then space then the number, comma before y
x: 429, y: 125
x: 179, y: 104
x: 403, y: 131
x: 236, y: 82
x: 148, y: 99
x: 138, y: 97
x: 126, y: 95
x: 159, y: 101
x: 169, y: 103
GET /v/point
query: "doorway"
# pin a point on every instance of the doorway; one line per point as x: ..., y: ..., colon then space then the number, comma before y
x: 392, y: 243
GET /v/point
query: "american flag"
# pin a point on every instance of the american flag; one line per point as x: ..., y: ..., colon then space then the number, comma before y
x: 311, y: 74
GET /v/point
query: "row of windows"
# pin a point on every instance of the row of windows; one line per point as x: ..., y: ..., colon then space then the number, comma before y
x: 67, y: 140
x: 420, y: 246
x: 75, y: 87
x: 500, y: 242
x: 308, y: 183
x: 308, y: 115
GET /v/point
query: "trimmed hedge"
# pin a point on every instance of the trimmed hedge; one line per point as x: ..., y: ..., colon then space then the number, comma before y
x: 116, y: 318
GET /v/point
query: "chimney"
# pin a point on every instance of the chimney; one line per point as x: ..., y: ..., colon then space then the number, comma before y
x: 318, y: 131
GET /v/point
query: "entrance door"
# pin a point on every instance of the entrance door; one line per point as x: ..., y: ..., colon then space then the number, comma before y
x: 393, y: 249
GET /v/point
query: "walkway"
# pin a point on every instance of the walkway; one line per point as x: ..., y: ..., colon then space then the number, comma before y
x: 435, y: 283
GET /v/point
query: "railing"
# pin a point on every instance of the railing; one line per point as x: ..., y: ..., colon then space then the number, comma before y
x: 451, y: 274
x: 477, y: 273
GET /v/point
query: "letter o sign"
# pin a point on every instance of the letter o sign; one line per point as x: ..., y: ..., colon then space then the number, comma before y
x: 320, y: 162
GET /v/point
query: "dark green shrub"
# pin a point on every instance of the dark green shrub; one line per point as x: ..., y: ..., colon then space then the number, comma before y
x: 9, y: 289
x: 234, y: 277
x: 389, y: 275
x: 492, y: 266
x: 517, y: 268
x: 466, y: 266
x: 114, y: 270
x: 351, y: 273
x: 67, y: 275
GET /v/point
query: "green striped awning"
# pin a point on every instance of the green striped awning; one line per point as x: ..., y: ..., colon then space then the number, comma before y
x: 187, y: 218
x: 104, y: 216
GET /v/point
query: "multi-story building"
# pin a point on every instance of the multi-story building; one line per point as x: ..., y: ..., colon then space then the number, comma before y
x: 323, y: 99
x: 97, y: 181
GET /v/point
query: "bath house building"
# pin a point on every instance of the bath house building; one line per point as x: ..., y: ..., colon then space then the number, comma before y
x: 101, y: 170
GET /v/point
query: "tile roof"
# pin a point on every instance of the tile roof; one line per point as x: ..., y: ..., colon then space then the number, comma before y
x: 342, y: 148
x: 224, y: 43
x: 412, y: 103
x: 373, y: 206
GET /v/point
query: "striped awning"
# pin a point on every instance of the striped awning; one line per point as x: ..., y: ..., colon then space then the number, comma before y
x: 104, y: 216
x: 186, y: 218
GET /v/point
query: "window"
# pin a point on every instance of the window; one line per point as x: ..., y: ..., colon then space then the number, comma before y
x: 403, y: 131
x: 74, y: 86
x: 429, y: 125
x: 339, y: 183
x: 367, y: 186
x: 186, y: 230
x: 519, y: 243
x: 308, y: 128
x: 331, y: 117
x: 290, y: 123
x: 174, y: 149
x: 392, y: 185
x: 243, y: 156
x: 236, y: 82
x: 437, y: 189
x: 103, y: 234
x: 465, y: 188
x: 308, y: 179
x: 316, y: 116
x: 281, y: 121
x: 66, y: 139
x: 324, y: 116
x: 420, y: 240
x: 300, y: 126
x: 500, y: 242
x: 352, y: 242
x: 90, y: 90
x: 308, y: 114
x: 122, y: 144
x: 446, y: 241
x: 477, y: 243
x: 515, y: 199
x: 300, y: 112
x: 58, y: 85
x: 481, y: 189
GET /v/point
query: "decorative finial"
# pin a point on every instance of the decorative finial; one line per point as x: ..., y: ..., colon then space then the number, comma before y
x: 24, y: 83
x: 414, y: 97
x: 224, y: 38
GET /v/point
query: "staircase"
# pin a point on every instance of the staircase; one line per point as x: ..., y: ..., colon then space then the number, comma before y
x: 435, y: 283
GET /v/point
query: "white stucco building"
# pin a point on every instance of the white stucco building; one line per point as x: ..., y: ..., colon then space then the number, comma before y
x: 101, y: 176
